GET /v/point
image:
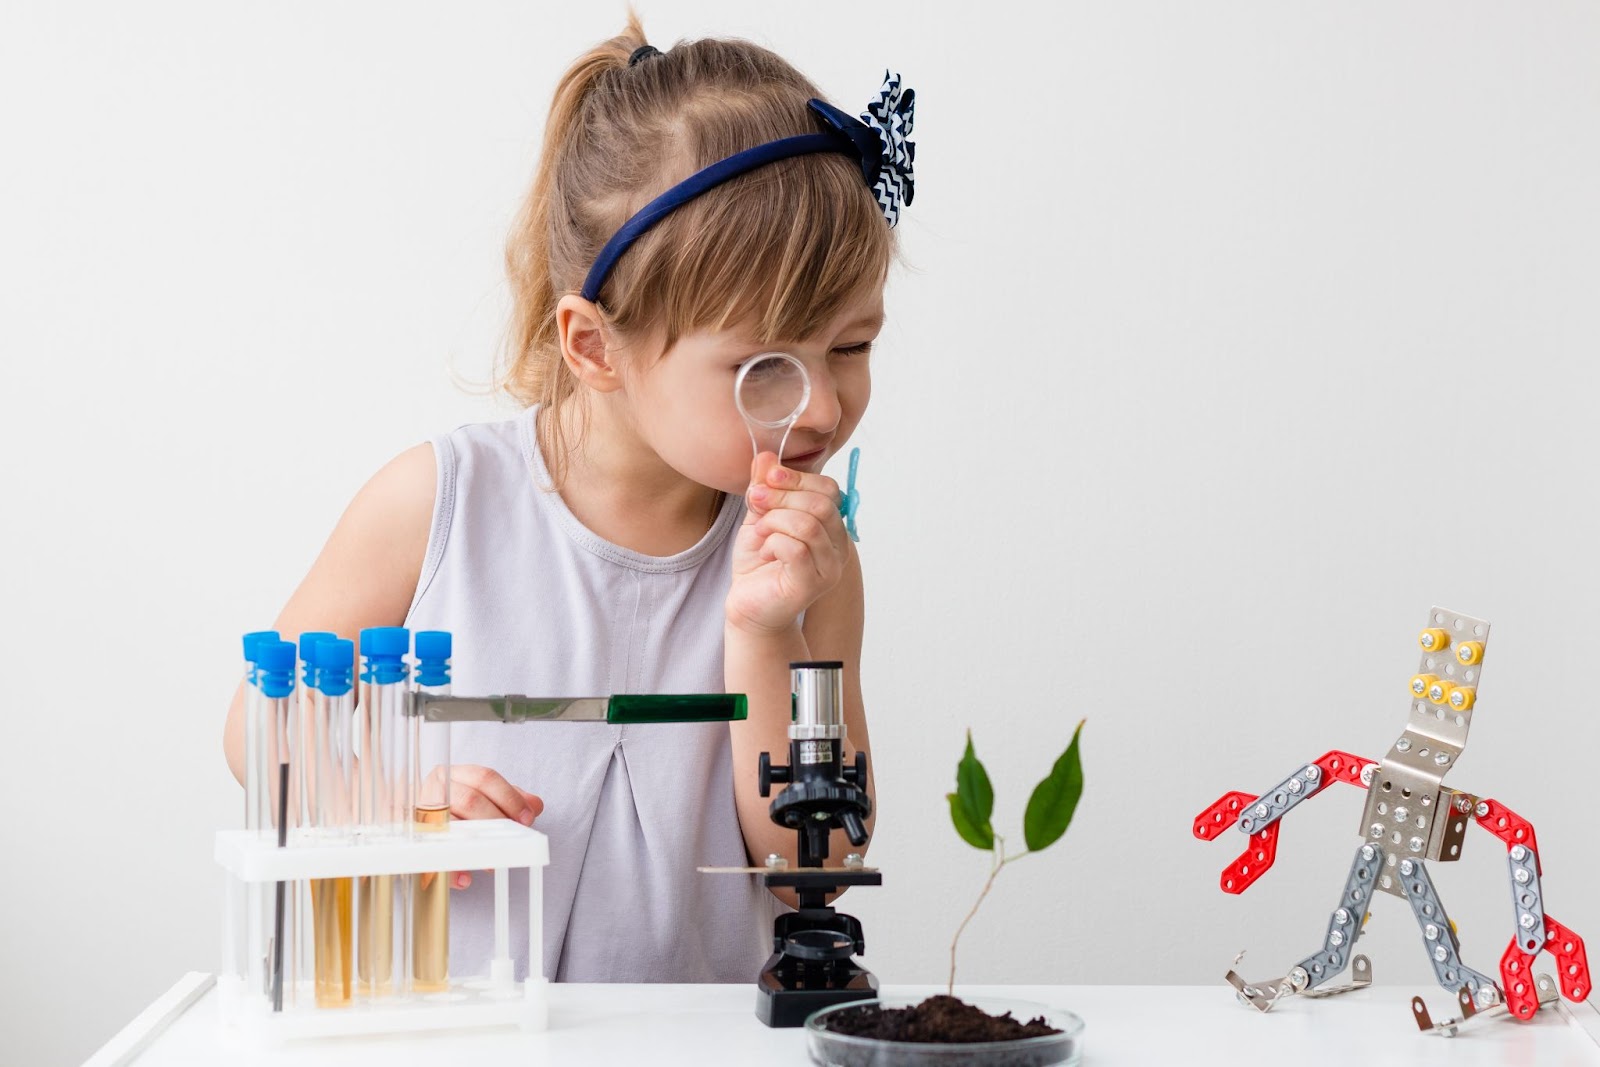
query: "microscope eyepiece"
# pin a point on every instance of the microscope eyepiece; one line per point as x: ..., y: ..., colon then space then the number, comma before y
x: 818, y: 688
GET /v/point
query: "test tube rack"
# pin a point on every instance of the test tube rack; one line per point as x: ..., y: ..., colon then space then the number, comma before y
x: 253, y: 859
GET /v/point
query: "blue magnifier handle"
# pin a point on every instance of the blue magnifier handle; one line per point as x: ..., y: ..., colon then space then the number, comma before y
x: 850, y: 502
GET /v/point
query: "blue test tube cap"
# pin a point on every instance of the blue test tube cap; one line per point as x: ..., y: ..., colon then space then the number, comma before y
x: 334, y: 658
x: 253, y: 641
x: 385, y: 641
x: 433, y: 657
x: 252, y: 645
x: 308, y: 653
x: 368, y: 638
x: 433, y: 644
x: 276, y: 662
x: 383, y: 649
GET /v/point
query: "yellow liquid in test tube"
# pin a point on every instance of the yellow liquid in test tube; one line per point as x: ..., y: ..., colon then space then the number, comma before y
x: 430, y: 917
x: 330, y: 911
x: 375, y: 938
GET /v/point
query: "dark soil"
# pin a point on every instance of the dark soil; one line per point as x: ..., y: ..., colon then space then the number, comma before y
x: 937, y: 1020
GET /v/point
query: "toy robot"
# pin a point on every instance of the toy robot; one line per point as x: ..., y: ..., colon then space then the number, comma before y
x: 1410, y: 818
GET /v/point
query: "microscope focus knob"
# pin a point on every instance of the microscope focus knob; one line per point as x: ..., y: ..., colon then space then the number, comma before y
x: 857, y: 775
x: 766, y: 774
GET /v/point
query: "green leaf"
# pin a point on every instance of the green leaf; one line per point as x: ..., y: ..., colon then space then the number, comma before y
x: 972, y: 785
x: 976, y: 836
x: 1055, y: 799
x: 973, y: 801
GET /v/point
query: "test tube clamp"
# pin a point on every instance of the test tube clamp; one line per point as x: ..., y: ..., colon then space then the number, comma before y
x: 498, y: 845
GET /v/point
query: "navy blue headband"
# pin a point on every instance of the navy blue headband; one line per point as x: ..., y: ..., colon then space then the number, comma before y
x: 877, y: 140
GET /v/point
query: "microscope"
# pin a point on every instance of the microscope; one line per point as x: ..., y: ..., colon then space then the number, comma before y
x: 811, y: 966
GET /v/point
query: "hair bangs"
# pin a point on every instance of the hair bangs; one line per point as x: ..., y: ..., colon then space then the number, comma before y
x: 777, y: 254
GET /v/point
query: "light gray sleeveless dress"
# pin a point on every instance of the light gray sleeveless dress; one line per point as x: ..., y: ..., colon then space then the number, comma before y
x: 540, y: 605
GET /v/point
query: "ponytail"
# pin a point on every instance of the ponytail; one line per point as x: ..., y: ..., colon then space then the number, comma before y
x: 533, y: 371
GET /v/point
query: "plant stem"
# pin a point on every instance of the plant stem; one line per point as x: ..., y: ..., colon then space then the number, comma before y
x: 1001, y: 859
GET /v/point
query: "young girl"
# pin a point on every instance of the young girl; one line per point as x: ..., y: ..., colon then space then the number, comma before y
x: 616, y: 537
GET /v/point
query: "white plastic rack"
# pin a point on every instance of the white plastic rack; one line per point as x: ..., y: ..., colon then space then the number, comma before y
x: 254, y: 864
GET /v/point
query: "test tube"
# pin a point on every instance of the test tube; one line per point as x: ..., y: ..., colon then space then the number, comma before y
x: 302, y: 782
x: 255, y: 733
x: 430, y: 792
x: 276, y: 660
x: 381, y: 778
x: 381, y: 930
x: 307, y: 694
x: 333, y: 708
x: 330, y: 744
x: 257, y: 803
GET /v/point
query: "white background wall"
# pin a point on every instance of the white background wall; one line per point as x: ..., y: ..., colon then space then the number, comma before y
x: 1235, y: 335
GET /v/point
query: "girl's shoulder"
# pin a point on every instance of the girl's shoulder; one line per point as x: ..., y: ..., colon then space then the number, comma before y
x: 391, y: 516
x: 402, y: 490
x: 366, y: 572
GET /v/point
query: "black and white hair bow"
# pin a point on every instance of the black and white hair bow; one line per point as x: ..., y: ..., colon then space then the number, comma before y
x: 882, y: 140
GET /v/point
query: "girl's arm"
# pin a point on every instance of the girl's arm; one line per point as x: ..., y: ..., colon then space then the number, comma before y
x: 757, y: 658
x: 365, y: 576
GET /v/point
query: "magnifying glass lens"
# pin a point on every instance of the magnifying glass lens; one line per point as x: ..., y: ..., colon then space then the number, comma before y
x: 771, y: 390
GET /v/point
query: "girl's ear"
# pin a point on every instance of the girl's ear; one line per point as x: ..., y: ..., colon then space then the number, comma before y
x: 583, y: 344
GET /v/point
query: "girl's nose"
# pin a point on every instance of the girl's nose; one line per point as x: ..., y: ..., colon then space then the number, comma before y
x: 822, y: 412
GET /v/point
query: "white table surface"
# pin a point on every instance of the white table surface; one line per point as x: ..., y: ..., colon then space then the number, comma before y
x: 1126, y: 1025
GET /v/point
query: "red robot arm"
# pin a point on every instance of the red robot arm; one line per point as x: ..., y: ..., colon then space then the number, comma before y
x: 1260, y: 821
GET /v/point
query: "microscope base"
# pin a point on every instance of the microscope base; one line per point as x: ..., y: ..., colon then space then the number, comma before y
x: 788, y: 990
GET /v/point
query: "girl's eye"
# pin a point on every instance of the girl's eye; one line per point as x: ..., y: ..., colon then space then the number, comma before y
x: 767, y: 370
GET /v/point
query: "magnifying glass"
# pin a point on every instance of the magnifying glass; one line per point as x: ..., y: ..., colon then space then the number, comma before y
x: 771, y: 390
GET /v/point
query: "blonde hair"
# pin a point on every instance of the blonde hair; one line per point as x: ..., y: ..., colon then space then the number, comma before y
x: 779, y: 251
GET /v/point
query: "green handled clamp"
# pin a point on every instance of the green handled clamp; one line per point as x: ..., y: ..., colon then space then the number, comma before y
x: 623, y: 709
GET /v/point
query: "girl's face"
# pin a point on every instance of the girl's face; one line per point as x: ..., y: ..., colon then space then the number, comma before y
x: 682, y: 403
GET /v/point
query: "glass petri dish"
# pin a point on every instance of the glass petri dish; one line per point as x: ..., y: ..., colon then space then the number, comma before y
x: 831, y: 1049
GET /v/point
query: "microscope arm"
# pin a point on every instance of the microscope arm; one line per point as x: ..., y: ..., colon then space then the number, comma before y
x: 1258, y: 816
x: 1535, y: 930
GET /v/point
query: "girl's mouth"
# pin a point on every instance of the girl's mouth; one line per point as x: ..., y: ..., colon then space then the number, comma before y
x: 804, y: 458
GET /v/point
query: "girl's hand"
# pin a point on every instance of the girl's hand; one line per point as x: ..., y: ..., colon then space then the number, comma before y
x: 791, y: 549
x: 480, y: 793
